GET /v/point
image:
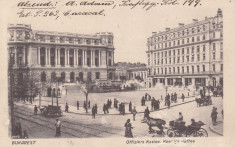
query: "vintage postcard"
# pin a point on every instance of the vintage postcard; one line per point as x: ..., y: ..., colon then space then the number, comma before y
x: 117, y: 72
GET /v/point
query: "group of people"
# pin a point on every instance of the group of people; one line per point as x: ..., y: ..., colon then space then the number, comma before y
x: 146, y: 97
x: 115, y: 103
x: 155, y: 104
x: 122, y: 108
x: 87, y: 105
x: 24, y: 99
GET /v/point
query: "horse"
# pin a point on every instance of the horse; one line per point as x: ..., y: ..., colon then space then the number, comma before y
x: 155, y: 122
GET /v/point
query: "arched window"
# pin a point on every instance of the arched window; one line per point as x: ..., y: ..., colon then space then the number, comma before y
x: 63, y: 77
x: 43, y: 77
x: 53, y: 77
x: 72, y: 77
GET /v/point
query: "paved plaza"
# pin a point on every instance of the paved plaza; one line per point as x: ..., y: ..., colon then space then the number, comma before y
x: 79, y: 124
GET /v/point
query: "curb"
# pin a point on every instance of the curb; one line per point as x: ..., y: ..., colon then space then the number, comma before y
x: 214, y: 131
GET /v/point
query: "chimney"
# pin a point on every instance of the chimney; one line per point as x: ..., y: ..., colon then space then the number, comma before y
x: 181, y: 24
x: 154, y: 33
x: 195, y: 20
x: 167, y: 29
x: 206, y: 18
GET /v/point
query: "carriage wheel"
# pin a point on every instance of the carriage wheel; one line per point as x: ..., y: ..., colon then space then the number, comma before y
x: 193, y: 133
x: 170, y: 133
x: 202, y: 133
x: 180, y: 133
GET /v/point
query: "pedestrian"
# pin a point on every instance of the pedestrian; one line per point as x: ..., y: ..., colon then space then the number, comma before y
x: 134, y: 112
x: 158, y: 104
x: 128, y: 132
x: 152, y: 104
x: 110, y: 103
x: 57, y: 125
x: 146, y: 113
x: 77, y: 105
x: 67, y: 108
x: 104, y: 109
x: 183, y: 97
x: 214, y: 115
x: 35, y: 110
x: 89, y: 104
x: 175, y: 97
x: 169, y: 104
x: 130, y: 106
x: 123, y: 109
x: 84, y: 105
x: 96, y: 108
x: 93, y: 112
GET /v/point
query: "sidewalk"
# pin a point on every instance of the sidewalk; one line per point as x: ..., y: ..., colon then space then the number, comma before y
x: 217, y: 128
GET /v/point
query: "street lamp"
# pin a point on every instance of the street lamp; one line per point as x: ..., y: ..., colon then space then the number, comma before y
x: 11, y: 102
x: 166, y: 90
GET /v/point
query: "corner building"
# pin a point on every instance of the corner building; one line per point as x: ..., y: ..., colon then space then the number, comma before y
x: 190, y: 54
x: 69, y: 56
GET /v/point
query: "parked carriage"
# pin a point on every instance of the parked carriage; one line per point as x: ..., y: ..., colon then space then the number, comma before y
x: 51, y: 111
x: 204, y: 100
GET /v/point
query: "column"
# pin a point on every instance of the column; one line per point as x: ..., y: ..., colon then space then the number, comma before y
x: 99, y: 58
x: 56, y: 61
x: 24, y: 48
x: 38, y: 56
x: 46, y: 56
x: 15, y: 50
x: 193, y: 81
x: 113, y: 58
x: 174, y: 80
x: 65, y: 56
x: 91, y: 57
x: 166, y: 82
x: 68, y: 57
x: 58, y: 56
x: 183, y: 81
x: 49, y: 56
x: 74, y: 58
x: 85, y: 57
x: 77, y: 57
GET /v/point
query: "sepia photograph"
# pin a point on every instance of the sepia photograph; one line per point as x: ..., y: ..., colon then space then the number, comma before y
x: 147, y: 72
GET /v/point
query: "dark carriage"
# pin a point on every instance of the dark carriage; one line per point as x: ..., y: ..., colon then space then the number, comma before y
x: 204, y: 100
x: 179, y: 129
x: 51, y: 111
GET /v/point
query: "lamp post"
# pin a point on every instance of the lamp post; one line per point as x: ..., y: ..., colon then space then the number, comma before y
x: 166, y: 90
x: 11, y: 102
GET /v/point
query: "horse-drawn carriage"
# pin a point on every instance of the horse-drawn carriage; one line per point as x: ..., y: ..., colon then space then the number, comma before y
x: 204, y: 100
x: 178, y: 129
x: 52, y: 111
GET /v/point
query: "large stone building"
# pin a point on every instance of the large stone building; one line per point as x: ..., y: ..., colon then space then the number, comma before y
x: 69, y: 56
x: 188, y: 54
x: 131, y: 71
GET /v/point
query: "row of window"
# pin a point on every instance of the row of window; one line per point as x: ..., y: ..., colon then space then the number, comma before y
x: 173, y: 59
x: 183, y: 69
x: 185, y: 32
x: 182, y: 42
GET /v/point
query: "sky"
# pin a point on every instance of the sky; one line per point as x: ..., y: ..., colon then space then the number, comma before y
x: 131, y: 28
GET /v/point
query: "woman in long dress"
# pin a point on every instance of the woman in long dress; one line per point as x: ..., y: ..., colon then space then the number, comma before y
x: 128, y: 132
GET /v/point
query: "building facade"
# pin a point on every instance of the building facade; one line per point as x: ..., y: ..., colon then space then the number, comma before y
x: 131, y: 71
x: 190, y: 54
x: 68, y: 56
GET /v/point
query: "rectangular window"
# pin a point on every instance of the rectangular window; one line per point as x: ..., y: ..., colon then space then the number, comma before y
x: 192, y: 49
x: 169, y: 53
x: 204, y: 37
x: 221, y: 67
x: 192, y: 30
x: 192, y: 69
x: 198, y: 49
x: 221, y: 45
x: 187, y: 40
x: 192, y: 58
x: 173, y: 52
x: 198, y: 57
x: 204, y: 57
x: 173, y: 69
x: 183, y: 70
x: 214, y: 47
x: 182, y: 51
x: 213, y: 34
x: 182, y: 41
x: 203, y: 68
x: 213, y: 67
x: 158, y: 71
x: 192, y: 39
x: 198, y: 38
x: 188, y: 50
x: 169, y: 60
x: 198, y: 68
x: 213, y: 56
x: 178, y: 69
x: 97, y: 75
x: 187, y: 58
x: 174, y: 60
x: 182, y: 59
x: 169, y: 70
x: 178, y: 51
x: 165, y: 70
x: 178, y: 59
x: 178, y: 42
x: 187, y: 69
x: 166, y: 61
x: 221, y: 55
x: 165, y: 53
x: 204, y: 48
x: 162, y: 61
